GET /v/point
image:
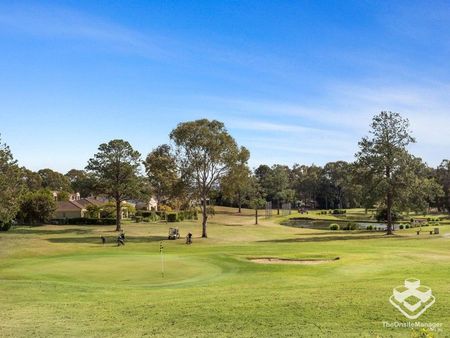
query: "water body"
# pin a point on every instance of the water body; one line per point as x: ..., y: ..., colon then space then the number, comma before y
x: 325, y: 225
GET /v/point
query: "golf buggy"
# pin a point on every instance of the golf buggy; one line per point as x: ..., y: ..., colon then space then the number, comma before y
x: 174, y: 233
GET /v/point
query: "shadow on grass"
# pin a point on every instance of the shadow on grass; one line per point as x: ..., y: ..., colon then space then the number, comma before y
x: 233, y: 213
x: 326, y: 238
x: 334, y: 233
x: 228, y: 224
x: 35, y: 231
x: 109, y: 239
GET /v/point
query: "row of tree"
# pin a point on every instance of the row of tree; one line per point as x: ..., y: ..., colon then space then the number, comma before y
x: 204, y: 164
x: 384, y: 175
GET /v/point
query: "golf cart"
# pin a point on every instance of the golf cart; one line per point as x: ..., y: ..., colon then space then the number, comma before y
x: 174, y: 233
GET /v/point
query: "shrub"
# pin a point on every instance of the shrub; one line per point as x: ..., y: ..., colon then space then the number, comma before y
x: 161, y: 214
x: 187, y: 214
x: 350, y: 226
x: 146, y: 213
x: 339, y: 212
x: 181, y: 216
x: 154, y: 217
x: 108, y: 213
x: 36, y: 207
x: 382, y: 215
x: 370, y: 227
x: 172, y: 217
x: 148, y: 216
x: 138, y: 219
x: 334, y: 226
x: 5, y: 226
x: 401, y: 226
x: 93, y: 211
x: 407, y: 226
x: 165, y: 208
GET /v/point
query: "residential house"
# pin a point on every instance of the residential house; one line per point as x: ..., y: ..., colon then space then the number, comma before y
x: 72, y: 197
x: 152, y: 204
x: 69, y: 209
x: 74, y: 208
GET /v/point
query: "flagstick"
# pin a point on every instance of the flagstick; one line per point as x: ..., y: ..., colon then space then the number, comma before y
x: 162, y: 258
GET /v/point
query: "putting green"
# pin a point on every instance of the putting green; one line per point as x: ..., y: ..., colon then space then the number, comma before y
x: 127, y: 269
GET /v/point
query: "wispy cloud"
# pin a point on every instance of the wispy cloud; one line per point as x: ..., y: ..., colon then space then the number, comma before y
x: 345, y: 117
x: 64, y: 23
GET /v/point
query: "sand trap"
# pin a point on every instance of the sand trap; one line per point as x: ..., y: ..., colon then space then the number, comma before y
x: 273, y: 260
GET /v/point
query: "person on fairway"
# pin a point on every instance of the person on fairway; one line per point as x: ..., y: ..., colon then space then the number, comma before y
x: 189, y: 238
x: 120, y: 240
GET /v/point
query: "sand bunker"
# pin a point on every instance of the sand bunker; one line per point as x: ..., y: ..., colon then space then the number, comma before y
x: 273, y: 260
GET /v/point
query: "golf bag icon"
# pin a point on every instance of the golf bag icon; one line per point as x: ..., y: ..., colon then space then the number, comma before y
x: 412, y: 299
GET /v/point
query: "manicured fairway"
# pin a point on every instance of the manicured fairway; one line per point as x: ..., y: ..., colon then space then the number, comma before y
x: 61, y: 281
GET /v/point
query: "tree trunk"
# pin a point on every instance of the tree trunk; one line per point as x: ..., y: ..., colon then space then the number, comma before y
x: 278, y: 209
x: 239, y: 202
x: 204, y: 218
x: 118, y: 215
x: 389, y: 203
x: 389, y: 213
x: 256, y: 216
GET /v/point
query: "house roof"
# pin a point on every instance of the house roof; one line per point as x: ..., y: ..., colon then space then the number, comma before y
x: 68, y: 206
x: 89, y: 201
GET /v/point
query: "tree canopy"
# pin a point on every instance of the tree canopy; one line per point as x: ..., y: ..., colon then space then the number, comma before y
x: 205, y: 152
x: 37, y: 207
x: 53, y: 180
x: 236, y: 182
x: 81, y: 182
x: 115, y: 169
x: 390, y: 172
x: 161, y: 169
x: 11, y: 186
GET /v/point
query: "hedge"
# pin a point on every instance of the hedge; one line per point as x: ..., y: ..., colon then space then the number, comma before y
x: 153, y: 216
x: 172, y: 217
x: 5, y: 226
x: 84, y: 221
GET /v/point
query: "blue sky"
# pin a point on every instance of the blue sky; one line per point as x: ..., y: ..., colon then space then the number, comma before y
x: 294, y: 81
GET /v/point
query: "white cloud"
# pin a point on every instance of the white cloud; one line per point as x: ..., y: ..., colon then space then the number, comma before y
x: 63, y: 23
x: 335, y: 127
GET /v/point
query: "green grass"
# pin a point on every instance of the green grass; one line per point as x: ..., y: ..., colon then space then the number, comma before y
x: 61, y: 281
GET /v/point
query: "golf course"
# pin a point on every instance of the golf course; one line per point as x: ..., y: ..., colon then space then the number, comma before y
x: 241, y: 281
